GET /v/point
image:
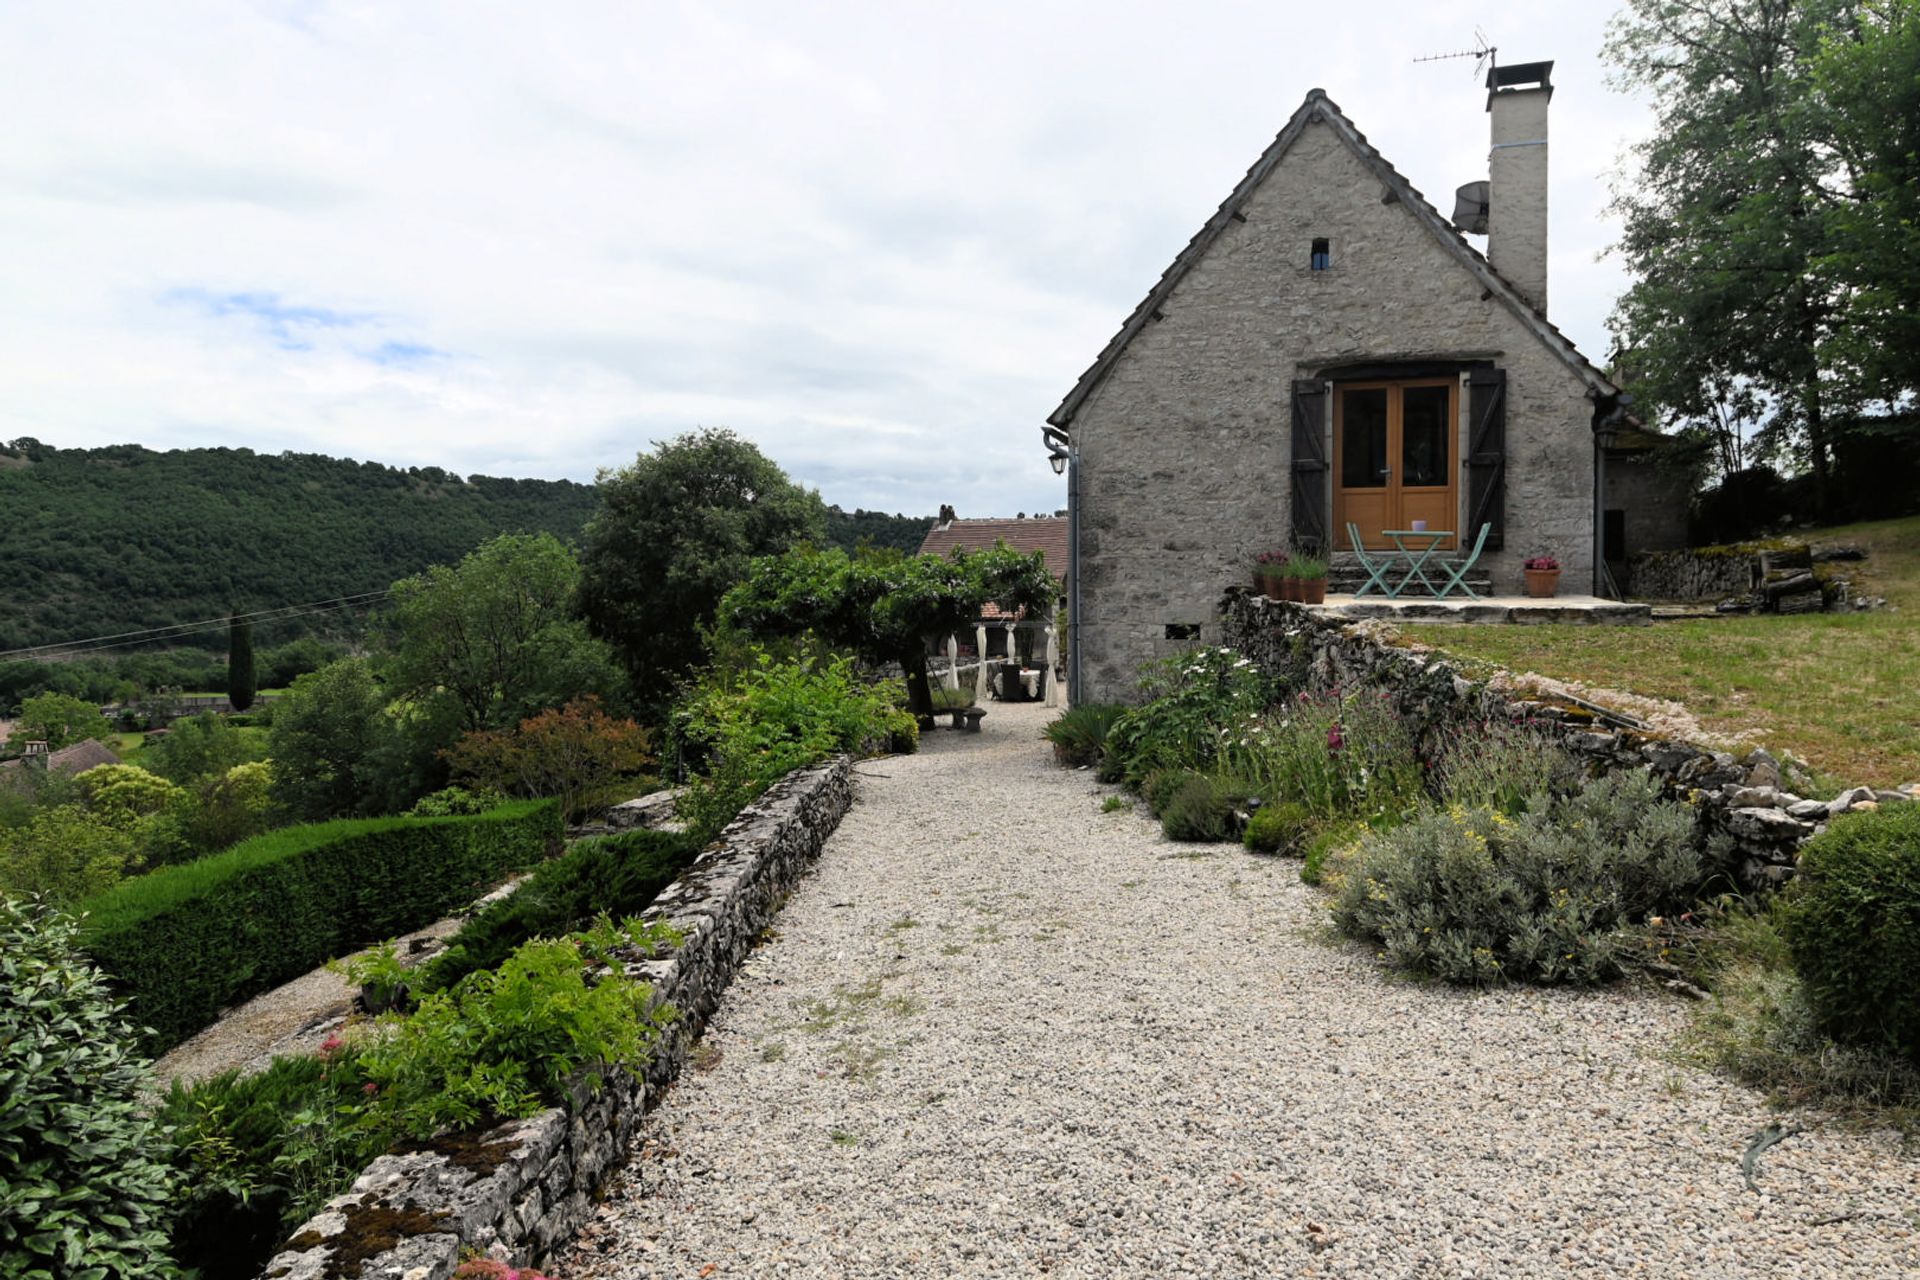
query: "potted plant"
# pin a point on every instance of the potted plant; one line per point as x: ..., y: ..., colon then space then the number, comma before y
x: 1293, y: 577
x: 1543, y: 576
x: 1267, y: 568
x: 1312, y: 574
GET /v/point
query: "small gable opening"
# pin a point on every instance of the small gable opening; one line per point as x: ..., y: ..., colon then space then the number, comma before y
x: 1322, y: 256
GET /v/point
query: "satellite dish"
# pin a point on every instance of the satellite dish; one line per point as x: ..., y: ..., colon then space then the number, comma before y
x: 1470, y: 207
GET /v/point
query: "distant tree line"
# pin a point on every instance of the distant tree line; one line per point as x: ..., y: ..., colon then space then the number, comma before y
x: 99, y: 541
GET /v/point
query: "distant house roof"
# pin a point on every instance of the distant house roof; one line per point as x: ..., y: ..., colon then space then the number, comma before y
x: 78, y: 758
x: 1045, y: 534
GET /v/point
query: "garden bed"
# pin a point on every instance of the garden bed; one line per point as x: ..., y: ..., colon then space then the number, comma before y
x: 520, y: 1189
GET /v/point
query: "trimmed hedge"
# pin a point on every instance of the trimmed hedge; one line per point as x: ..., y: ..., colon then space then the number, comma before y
x: 1852, y: 920
x: 188, y: 941
x: 618, y: 874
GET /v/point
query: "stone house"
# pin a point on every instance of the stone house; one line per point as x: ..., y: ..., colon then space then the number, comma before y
x: 1329, y: 348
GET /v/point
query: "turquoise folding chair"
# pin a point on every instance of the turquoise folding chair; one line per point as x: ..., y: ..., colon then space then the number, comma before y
x: 1456, y: 570
x: 1376, y: 569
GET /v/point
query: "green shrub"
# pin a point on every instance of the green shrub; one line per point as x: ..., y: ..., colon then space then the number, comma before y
x: 1197, y: 810
x: 1473, y: 896
x: 67, y: 854
x: 1157, y: 788
x: 187, y: 941
x: 1761, y: 1029
x: 1327, y: 845
x: 504, y: 1042
x: 620, y: 875
x: 1279, y: 828
x: 84, y: 1184
x: 456, y: 802
x: 756, y: 725
x: 1852, y: 919
x: 1079, y: 735
x: 1193, y: 701
x: 258, y: 1155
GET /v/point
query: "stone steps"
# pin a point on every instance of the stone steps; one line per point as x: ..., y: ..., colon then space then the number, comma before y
x: 1345, y: 576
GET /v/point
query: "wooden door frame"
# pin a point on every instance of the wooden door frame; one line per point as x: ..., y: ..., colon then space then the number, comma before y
x: 1395, y: 449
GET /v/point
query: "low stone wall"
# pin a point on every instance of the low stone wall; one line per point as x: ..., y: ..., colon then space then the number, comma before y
x: 1748, y: 817
x: 1706, y: 573
x: 520, y: 1190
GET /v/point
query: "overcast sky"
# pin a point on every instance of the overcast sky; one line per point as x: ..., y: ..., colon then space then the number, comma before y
x: 881, y: 240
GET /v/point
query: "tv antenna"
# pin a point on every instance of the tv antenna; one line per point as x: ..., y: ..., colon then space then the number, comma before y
x: 1482, y: 53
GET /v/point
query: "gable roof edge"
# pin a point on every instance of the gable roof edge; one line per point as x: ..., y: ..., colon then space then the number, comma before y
x: 1319, y: 108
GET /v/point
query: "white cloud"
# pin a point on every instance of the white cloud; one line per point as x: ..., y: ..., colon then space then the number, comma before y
x: 880, y: 239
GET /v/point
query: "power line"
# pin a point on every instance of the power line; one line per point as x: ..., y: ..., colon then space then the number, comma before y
x: 181, y: 630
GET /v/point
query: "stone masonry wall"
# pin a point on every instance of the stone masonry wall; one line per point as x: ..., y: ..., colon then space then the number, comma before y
x: 520, y: 1190
x: 1747, y: 814
x: 1183, y: 472
x: 1710, y: 573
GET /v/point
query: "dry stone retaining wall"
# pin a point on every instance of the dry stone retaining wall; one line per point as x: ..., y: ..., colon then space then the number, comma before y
x: 519, y: 1190
x: 1747, y: 812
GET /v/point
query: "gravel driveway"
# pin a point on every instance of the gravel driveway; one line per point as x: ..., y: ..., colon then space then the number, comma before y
x: 1002, y: 1033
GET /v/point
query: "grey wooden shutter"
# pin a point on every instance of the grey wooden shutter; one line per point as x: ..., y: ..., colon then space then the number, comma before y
x: 1486, y: 454
x: 1310, y: 497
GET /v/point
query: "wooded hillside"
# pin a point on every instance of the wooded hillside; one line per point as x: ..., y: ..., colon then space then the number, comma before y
x: 121, y: 538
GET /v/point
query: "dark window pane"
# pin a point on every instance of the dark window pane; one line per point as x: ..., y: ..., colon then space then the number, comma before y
x: 1322, y: 255
x: 1425, y: 428
x: 1363, y: 445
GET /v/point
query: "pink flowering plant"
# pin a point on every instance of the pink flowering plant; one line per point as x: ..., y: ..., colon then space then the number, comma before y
x: 494, y: 1269
x: 1541, y: 563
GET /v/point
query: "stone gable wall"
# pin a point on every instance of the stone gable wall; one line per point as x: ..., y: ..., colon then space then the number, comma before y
x: 521, y: 1189
x: 1749, y: 818
x: 1184, y: 467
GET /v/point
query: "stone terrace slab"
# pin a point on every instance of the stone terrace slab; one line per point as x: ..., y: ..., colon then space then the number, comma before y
x: 1000, y: 1033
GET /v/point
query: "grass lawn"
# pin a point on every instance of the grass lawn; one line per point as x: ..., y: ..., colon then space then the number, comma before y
x: 1840, y: 690
x: 128, y: 746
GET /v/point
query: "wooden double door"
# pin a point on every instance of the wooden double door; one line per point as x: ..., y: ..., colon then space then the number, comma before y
x: 1394, y: 446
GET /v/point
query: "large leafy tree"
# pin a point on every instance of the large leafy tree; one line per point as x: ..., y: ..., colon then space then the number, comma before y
x: 59, y: 720
x: 497, y: 633
x: 674, y: 531
x: 1869, y: 85
x: 1731, y: 211
x: 331, y: 742
x: 885, y: 608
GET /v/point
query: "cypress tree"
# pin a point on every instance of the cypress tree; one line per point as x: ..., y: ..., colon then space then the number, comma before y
x: 240, y: 674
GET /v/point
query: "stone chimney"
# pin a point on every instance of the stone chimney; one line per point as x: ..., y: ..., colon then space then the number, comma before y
x: 946, y: 516
x: 1517, y: 98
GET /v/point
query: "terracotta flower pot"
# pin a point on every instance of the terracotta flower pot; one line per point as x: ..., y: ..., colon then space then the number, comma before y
x: 1270, y: 587
x: 1290, y: 589
x: 1313, y: 591
x: 1542, y: 583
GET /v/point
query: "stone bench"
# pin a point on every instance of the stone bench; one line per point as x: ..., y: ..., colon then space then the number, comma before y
x: 968, y: 718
